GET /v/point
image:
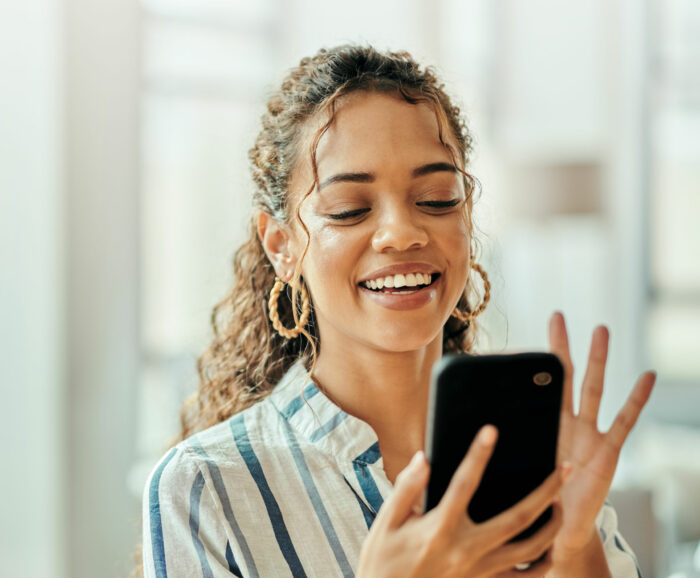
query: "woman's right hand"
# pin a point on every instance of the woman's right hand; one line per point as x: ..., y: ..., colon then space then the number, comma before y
x: 444, y: 542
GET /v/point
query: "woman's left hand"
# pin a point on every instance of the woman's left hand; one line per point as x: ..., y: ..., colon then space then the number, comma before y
x: 593, y: 454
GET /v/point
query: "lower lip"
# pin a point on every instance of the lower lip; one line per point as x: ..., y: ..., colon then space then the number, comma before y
x: 405, y: 302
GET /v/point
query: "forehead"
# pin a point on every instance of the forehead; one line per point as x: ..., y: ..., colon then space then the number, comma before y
x: 378, y: 130
x: 379, y: 133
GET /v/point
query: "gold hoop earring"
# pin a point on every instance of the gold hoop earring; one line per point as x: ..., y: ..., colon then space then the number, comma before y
x: 471, y: 315
x: 274, y: 315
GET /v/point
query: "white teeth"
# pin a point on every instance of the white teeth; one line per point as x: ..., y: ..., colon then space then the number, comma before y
x: 399, y: 280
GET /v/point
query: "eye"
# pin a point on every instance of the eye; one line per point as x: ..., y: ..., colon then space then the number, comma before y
x: 347, y: 214
x: 440, y: 205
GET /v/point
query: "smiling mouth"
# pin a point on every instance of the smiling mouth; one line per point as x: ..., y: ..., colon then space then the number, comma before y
x: 400, y: 284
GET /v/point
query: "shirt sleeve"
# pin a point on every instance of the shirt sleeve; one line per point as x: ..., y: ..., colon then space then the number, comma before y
x: 621, y: 559
x: 183, y: 530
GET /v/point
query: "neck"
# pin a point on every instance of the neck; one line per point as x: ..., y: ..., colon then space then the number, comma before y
x: 387, y: 390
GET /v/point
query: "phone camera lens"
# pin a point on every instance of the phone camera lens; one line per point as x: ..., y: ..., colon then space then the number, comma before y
x: 542, y: 378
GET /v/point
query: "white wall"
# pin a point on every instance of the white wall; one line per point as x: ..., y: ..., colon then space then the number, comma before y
x: 69, y: 286
x: 31, y: 293
x: 102, y: 66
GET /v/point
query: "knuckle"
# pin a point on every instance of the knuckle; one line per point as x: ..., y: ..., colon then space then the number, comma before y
x: 436, y: 537
x: 595, y: 388
x: 521, y: 518
x: 478, y: 543
x: 467, y: 552
x: 423, y: 554
x: 535, y: 547
x: 455, y: 561
x: 624, y: 423
x: 462, y: 483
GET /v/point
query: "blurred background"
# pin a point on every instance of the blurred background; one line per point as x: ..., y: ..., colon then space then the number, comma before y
x: 124, y: 131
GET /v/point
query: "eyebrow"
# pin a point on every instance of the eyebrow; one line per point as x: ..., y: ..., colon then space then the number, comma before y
x: 370, y: 177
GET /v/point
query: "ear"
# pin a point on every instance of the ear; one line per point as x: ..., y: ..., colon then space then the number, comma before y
x: 277, y: 244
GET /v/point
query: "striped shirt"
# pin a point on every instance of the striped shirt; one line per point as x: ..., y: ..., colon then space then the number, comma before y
x: 288, y: 487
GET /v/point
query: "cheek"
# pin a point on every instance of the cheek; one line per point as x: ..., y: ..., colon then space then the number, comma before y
x: 330, y: 261
x: 453, y: 237
x: 454, y: 243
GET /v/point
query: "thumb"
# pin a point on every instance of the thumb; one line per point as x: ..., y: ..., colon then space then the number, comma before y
x: 408, y: 490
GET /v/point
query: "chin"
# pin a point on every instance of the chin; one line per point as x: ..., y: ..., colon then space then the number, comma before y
x: 403, y: 340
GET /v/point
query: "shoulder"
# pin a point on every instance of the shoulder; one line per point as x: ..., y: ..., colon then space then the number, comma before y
x: 230, y: 453
x: 225, y: 443
x: 173, y: 475
x: 223, y: 449
x: 262, y: 424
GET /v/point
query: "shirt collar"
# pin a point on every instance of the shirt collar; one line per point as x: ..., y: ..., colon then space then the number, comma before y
x: 317, y: 419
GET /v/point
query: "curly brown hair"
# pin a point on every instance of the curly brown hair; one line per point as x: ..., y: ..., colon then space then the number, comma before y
x: 247, y: 357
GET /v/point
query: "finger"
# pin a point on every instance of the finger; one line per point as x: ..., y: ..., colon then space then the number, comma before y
x: 515, y: 519
x: 408, y: 489
x: 627, y: 416
x: 559, y: 345
x: 468, y: 475
x: 592, y: 389
x: 529, y: 550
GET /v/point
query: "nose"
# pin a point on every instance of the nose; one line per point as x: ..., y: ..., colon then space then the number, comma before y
x: 397, y: 231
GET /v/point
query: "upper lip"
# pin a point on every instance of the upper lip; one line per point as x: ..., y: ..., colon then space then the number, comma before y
x: 401, y: 269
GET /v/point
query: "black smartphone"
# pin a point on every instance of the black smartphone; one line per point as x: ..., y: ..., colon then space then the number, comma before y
x: 518, y: 393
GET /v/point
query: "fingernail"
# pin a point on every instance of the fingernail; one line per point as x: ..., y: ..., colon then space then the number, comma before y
x: 488, y: 434
x: 566, y: 470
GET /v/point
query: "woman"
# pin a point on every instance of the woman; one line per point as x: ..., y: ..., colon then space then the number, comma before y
x: 311, y: 411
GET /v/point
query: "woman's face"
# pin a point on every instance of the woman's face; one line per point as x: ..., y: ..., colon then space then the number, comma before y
x: 389, y: 246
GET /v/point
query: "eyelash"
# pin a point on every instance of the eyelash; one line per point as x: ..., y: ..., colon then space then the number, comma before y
x: 348, y: 214
x: 440, y: 204
x: 431, y: 204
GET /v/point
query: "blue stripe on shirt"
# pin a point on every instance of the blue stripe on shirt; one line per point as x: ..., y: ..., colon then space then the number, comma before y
x: 156, y: 523
x: 329, y: 426
x: 368, y: 514
x: 621, y: 547
x: 232, y: 566
x: 364, y: 476
x: 240, y: 436
x: 298, y: 402
x: 368, y: 485
x: 220, y: 488
x: 316, y: 501
x: 371, y: 455
x: 195, y: 497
